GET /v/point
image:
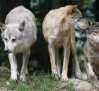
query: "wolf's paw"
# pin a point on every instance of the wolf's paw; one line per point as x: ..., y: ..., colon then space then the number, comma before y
x: 22, y: 77
x: 93, y: 79
x: 55, y: 76
x: 64, y: 78
x: 78, y: 74
x: 96, y: 80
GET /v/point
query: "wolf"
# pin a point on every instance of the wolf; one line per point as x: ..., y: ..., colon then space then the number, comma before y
x: 91, y: 51
x: 19, y: 33
x: 59, y: 30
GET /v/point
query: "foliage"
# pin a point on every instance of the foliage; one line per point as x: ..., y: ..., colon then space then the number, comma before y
x: 40, y: 1
x: 2, y: 53
x: 39, y: 82
x: 70, y: 87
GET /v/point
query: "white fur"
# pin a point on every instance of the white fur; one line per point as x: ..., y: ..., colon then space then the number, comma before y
x: 65, y: 70
x: 13, y: 66
x: 58, y: 63
x: 51, y: 40
x: 91, y: 74
x: 24, y: 39
x: 56, y: 67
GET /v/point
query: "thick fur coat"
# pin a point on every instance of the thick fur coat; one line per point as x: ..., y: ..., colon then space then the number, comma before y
x: 19, y: 33
x: 59, y: 30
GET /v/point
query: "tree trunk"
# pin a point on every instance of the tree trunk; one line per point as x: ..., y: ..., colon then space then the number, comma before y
x: 96, y: 8
x: 8, y: 5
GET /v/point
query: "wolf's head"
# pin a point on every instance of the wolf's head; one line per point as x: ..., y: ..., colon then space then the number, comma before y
x: 73, y: 17
x: 93, y: 31
x: 12, y: 35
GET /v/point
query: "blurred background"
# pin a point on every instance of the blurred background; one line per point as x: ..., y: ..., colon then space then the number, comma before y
x: 39, y: 59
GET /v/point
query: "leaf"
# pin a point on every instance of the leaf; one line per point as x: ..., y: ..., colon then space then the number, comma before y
x: 34, y: 1
x: 41, y: 1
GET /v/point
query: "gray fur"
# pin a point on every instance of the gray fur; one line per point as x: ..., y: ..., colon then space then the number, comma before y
x: 91, y: 51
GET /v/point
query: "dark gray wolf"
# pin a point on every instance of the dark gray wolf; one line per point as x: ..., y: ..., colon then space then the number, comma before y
x: 91, y: 51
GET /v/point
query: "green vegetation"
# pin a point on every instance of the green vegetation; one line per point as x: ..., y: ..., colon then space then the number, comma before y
x: 35, y: 82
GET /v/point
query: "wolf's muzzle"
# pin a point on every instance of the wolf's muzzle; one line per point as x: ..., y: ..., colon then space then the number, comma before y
x: 97, y: 42
x: 83, y: 29
x: 8, y: 51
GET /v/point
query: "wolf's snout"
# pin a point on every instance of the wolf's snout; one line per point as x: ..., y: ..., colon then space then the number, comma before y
x: 83, y: 28
x: 87, y: 28
x: 7, y: 50
x: 97, y: 42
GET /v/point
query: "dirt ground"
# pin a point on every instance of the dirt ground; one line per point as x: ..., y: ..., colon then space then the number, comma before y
x: 82, y: 85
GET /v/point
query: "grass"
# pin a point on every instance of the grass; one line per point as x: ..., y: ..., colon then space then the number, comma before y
x: 70, y: 87
x: 40, y: 82
x: 94, y: 85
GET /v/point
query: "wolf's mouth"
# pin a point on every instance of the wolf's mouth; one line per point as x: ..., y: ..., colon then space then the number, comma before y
x: 97, y: 42
x: 81, y: 28
x: 7, y: 51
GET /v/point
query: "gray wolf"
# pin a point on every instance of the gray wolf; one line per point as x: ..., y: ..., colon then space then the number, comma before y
x: 19, y: 33
x: 91, y: 51
x: 59, y: 30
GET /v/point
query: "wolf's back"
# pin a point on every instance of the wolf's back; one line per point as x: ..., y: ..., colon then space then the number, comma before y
x: 17, y: 11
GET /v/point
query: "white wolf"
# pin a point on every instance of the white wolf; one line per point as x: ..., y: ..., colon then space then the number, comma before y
x: 19, y: 33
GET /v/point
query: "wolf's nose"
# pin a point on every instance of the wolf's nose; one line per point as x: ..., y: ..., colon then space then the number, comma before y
x: 7, y: 51
x: 87, y: 28
x: 97, y: 42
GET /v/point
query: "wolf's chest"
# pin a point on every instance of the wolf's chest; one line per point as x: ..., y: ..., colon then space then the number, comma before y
x: 60, y: 32
x: 57, y: 41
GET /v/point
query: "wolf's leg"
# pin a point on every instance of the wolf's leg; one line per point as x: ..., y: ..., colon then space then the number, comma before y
x: 26, y: 56
x: 26, y: 71
x: 13, y: 64
x: 86, y: 67
x: 58, y: 62
x: 52, y: 60
x: 74, y: 51
x: 90, y: 72
x: 66, y: 46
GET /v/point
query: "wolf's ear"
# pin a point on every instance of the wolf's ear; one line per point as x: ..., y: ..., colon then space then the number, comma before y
x: 73, y: 9
x: 2, y: 27
x: 21, y: 26
x: 89, y: 22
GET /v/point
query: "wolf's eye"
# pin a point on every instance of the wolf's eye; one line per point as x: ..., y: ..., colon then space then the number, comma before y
x: 80, y: 18
x: 2, y: 29
x: 95, y: 31
x: 6, y: 39
x: 13, y: 40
